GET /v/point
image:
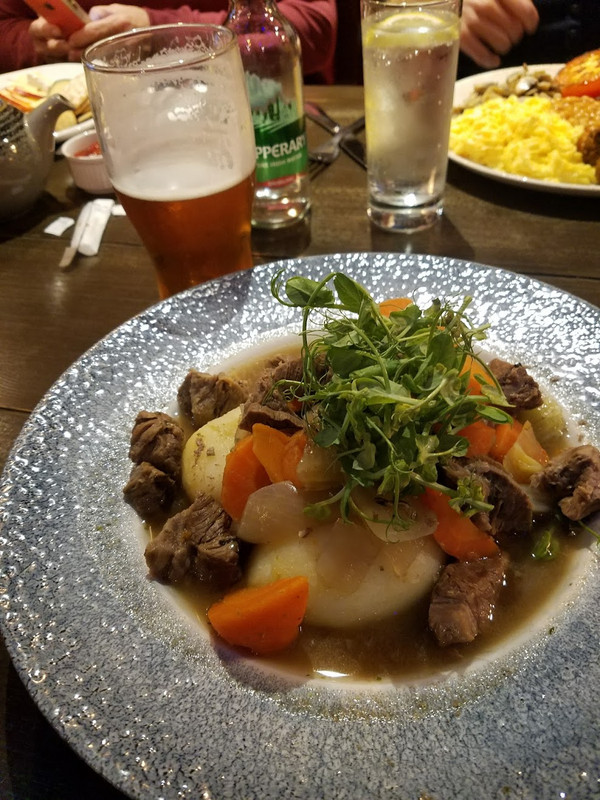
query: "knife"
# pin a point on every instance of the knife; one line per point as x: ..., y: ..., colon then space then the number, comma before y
x: 350, y: 145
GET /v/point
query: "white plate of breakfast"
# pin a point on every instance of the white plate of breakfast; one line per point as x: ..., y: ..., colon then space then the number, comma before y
x: 26, y: 88
x: 512, y: 125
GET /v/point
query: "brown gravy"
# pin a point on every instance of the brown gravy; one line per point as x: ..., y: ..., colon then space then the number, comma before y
x: 402, y: 647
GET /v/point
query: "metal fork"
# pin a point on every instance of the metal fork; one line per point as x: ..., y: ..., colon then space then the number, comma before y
x: 326, y: 153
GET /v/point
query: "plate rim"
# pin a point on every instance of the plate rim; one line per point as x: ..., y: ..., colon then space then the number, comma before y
x: 96, y: 761
x: 462, y: 89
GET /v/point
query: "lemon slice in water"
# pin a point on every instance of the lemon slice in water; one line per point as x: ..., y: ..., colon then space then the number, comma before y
x: 416, y: 29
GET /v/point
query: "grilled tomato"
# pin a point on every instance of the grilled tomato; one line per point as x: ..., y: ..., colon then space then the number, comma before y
x: 581, y: 76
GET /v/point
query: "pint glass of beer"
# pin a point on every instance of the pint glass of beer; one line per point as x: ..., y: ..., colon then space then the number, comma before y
x: 175, y: 127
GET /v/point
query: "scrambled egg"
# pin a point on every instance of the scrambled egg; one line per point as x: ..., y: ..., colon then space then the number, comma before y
x: 521, y: 136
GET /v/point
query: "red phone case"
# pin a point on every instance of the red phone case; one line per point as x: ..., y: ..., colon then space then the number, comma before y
x: 66, y: 14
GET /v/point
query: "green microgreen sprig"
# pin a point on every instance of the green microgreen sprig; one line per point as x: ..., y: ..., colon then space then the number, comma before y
x: 388, y: 393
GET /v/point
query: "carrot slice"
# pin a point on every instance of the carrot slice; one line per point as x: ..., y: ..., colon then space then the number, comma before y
x: 264, y: 619
x: 294, y: 405
x: 480, y: 436
x: 292, y: 456
x: 394, y: 304
x: 279, y: 453
x: 269, y: 445
x: 474, y: 368
x: 506, y: 435
x: 243, y: 475
x: 457, y: 535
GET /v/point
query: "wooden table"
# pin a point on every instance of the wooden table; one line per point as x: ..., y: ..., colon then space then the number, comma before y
x: 48, y: 318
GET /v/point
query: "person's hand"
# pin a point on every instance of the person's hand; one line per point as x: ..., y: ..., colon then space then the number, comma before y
x: 51, y: 45
x: 490, y: 28
x: 106, y: 21
x: 48, y: 41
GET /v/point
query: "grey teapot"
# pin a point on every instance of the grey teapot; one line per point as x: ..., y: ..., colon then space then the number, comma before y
x: 26, y: 152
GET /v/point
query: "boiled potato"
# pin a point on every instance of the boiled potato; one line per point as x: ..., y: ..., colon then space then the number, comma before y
x: 354, y: 577
x: 204, y: 455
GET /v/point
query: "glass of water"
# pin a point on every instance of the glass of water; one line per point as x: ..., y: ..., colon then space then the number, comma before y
x: 410, y: 54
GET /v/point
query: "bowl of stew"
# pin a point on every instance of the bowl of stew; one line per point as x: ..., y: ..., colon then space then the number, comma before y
x: 86, y: 163
x: 129, y: 673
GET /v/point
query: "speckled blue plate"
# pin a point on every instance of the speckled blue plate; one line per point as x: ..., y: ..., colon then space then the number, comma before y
x: 138, y: 688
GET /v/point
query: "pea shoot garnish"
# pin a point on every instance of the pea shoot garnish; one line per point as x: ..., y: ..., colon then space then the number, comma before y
x: 389, y: 393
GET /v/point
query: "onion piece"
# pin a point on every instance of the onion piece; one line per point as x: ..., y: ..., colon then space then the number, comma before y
x: 420, y: 520
x: 319, y: 469
x: 274, y: 513
x: 411, y: 565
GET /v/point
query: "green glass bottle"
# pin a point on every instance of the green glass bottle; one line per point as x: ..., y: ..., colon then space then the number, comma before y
x: 270, y: 51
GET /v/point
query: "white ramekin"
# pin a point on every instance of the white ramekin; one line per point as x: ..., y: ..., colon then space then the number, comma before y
x: 89, y: 172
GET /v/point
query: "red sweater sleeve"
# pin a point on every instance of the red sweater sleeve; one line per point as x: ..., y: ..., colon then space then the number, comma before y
x: 315, y: 21
x: 16, y: 48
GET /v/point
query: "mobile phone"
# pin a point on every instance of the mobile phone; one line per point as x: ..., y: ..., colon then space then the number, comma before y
x: 65, y: 14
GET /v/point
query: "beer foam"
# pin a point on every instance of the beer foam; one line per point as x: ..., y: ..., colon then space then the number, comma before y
x: 183, y: 172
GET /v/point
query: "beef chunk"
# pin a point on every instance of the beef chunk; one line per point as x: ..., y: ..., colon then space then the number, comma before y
x: 464, y: 598
x: 267, y: 404
x: 157, y: 439
x: 275, y: 418
x: 280, y: 368
x: 203, y: 397
x: 195, y: 545
x: 512, y: 512
x: 518, y: 386
x: 149, y: 490
x: 573, y: 479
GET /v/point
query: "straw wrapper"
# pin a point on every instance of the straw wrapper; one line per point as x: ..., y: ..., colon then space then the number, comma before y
x: 89, y: 230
